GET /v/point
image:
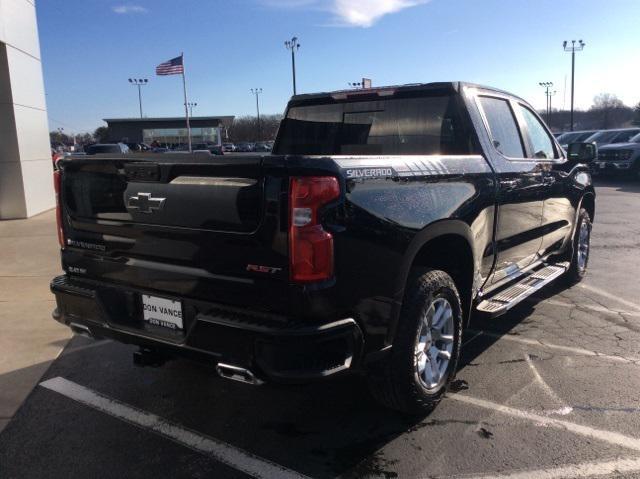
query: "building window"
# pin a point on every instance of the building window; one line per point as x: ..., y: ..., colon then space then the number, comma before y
x: 178, y: 136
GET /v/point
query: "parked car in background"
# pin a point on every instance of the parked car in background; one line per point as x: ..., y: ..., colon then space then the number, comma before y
x: 262, y: 146
x: 619, y: 159
x: 210, y: 147
x: 574, y: 136
x: 55, y: 156
x: 606, y: 137
x: 245, y: 147
x: 111, y: 148
x: 139, y: 147
x: 228, y: 147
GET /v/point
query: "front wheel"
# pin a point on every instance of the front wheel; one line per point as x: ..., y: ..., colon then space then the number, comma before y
x: 581, y: 247
x: 426, y: 348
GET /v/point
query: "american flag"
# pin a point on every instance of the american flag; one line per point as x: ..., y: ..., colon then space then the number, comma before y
x: 172, y: 67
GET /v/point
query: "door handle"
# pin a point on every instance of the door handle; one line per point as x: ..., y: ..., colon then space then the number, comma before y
x: 509, y: 183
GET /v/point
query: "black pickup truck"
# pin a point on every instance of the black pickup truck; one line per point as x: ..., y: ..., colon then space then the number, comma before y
x: 383, y: 219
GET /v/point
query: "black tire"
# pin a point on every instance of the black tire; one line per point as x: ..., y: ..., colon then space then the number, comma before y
x: 395, y: 381
x: 578, y: 268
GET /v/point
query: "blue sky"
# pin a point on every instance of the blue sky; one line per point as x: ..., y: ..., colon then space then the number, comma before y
x: 91, y: 47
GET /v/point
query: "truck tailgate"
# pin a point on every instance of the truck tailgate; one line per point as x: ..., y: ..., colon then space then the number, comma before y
x: 208, y: 229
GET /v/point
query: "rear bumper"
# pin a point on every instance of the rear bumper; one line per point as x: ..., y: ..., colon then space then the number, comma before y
x: 274, y: 348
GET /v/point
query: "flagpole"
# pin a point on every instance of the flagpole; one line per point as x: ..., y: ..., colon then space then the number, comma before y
x: 186, y: 108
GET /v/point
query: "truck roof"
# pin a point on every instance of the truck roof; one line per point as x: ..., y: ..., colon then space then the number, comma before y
x: 451, y: 86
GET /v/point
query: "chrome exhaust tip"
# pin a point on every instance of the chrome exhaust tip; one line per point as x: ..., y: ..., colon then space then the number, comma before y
x: 236, y: 373
x: 81, y: 330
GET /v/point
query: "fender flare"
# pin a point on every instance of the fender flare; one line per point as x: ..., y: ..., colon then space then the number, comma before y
x: 429, y: 233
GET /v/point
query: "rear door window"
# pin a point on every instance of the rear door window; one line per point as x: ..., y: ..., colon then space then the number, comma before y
x: 541, y: 141
x: 503, y: 128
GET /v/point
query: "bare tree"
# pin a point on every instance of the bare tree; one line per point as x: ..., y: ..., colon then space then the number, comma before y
x: 101, y: 134
x: 636, y: 115
x: 246, y: 128
x: 610, y: 108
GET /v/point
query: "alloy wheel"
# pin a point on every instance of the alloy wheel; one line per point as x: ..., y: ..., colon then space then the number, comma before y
x: 434, y: 344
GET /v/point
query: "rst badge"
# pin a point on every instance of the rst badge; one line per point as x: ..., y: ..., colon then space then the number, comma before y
x: 258, y: 268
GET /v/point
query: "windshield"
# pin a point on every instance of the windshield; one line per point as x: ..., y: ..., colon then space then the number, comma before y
x: 624, y: 136
x: 584, y: 135
x: 603, y: 136
x: 403, y: 126
x: 568, y: 137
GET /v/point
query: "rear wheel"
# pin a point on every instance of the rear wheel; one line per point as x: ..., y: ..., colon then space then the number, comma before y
x: 581, y: 247
x: 426, y: 348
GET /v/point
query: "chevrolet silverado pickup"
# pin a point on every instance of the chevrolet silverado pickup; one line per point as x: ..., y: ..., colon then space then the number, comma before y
x: 383, y: 219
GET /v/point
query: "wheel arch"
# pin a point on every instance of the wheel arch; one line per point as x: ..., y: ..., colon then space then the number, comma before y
x: 445, y: 245
x: 588, y: 202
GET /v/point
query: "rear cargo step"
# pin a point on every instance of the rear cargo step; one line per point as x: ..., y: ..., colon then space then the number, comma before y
x: 507, y: 298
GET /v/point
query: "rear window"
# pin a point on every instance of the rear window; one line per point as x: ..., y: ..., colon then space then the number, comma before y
x: 395, y: 126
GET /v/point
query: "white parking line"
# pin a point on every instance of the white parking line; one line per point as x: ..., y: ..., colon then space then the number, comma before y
x: 591, y: 307
x: 559, y: 347
x: 600, y: 434
x: 610, y: 296
x: 232, y: 456
x: 587, y: 469
x: 545, y: 385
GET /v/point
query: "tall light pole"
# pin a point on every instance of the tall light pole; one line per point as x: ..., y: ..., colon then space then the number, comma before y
x: 293, y: 45
x: 256, y: 92
x: 551, y: 93
x: 573, y: 48
x: 139, y: 82
x: 191, y: 105
x: 547, y: 85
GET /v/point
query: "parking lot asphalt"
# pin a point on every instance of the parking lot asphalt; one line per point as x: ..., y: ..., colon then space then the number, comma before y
x: 549, y: 390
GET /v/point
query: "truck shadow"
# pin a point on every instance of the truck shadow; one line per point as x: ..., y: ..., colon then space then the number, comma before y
x: 321, y: 430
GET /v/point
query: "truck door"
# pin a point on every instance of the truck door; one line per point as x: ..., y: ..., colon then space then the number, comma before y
x: 558, y: 213
x: 520, y: 194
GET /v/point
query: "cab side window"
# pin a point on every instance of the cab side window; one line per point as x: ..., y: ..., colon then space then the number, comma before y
x: 540, y: 140
x: 503, y: 129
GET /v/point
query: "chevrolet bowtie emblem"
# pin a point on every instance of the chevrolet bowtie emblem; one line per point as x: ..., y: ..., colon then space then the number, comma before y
x: 145, y: 203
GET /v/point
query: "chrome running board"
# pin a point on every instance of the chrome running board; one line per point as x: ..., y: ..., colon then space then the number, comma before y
x: 507, y: 298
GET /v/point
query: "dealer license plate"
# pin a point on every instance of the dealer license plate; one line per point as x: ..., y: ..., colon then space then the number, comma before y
x: 162, y: 312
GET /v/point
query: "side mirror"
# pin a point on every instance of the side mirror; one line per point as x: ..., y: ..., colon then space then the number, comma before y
x: 582, y: 152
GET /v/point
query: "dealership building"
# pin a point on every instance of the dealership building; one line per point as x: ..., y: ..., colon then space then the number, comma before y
x: 173, y: 131
x: 26, y: 186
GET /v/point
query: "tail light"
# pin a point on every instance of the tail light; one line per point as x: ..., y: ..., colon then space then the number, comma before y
x: 310, y: 246
x: 57, y: 182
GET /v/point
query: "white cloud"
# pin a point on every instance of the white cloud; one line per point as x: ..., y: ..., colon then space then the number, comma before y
x: 364, y: 13
x: 126, y: 9
x: 350, y: 13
